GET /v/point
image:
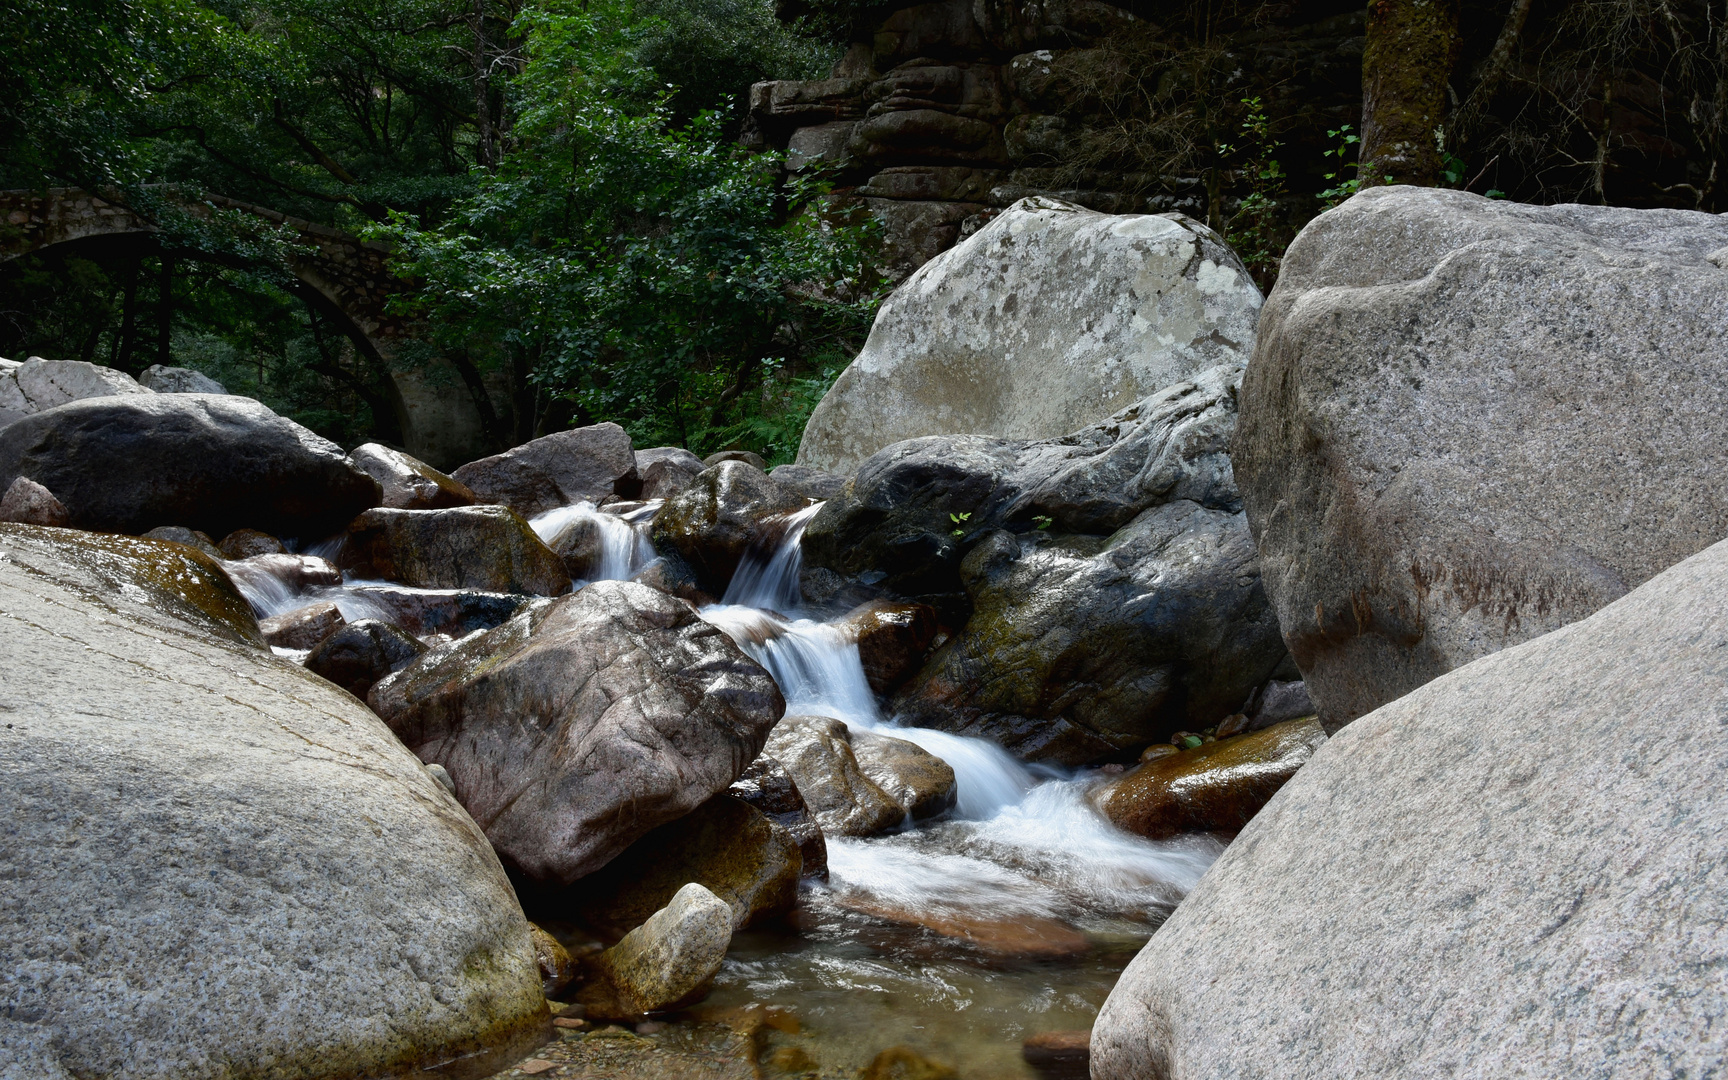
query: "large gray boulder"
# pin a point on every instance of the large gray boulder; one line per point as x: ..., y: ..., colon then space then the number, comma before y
x: 584, y: 722
x: 1470, y: 422
x: 486, y: 548
x: 178, y: 380
x: 39, y: 384
x: 210, y: 462
x: 589, y: 463
x: 1048, y: 319
x: 218, y: 865
x: 1519, y: 869
x: 407, y: 482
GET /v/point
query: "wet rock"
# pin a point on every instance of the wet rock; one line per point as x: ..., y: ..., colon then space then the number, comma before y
x: 1050, y: 318
x: 892, y: 637
x: 711, y: 523
x: 672, y: 958
x: 407, y: 482
x: 192, y: 538
x: 817, y: 752
x: 666, y: 470
x: 584, y: 722
x: 1278, y: 701
x: 1217, y: 787
x: 1002, y: 936
x: 562, y: 469
x: 277, y: 577
x: 1074, y: 653
x: 360, y: 653
x: 557, y: 967
x: 905, y: 1063
x: 179, y: 775
x: 207, y: 462
x: 813, y: 484
x: 1059, y: 1055
x: 746, y: 456
x: 1416, y: 511
x: 919, y: 781
x: 302, y: 628
x: 726, y: 845
x: 1513, y: 847
x: 767, y: 786
x: 423, y: 612
x: 673, y: 576
x: 245, y: 543
x: 28, y: 503
x: 489, y: 548
x: 178, y: 380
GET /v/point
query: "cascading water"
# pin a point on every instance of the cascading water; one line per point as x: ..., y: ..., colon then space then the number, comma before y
x: 624, y: 544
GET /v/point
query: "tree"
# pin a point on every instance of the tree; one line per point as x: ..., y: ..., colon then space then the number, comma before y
x: 1408, y: 52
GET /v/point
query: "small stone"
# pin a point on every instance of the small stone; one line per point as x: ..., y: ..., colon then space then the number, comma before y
x: 302, y: 628
x: 192, y: 538
x: 735, y: 455
x: 1234, y: 724
x: 29, y: 503
x: 245, y: 543
x: 442, y: 775
x: 534, y: 1066
x: 570, y: 1023
x: 670, y: 959
x: 1158, y: 750
x: 651, y: 1027
x: 557, y: 967
x: 792, y: 1059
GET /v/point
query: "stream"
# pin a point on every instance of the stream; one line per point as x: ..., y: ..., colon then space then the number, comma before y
x: 1010, y: 915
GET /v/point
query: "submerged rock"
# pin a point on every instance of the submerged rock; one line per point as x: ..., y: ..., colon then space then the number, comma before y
x: 1049, y: 318
x: 670, y: 959
x: 767, y: 786
x: 905, y: 1063
x: 561, y: 469
x: 488, y: 548
x: 1444, y: 448
x: 407, y: 482
x: 582, y: 723
x: 817, y: 752
x: 28, y: 503
x: 356, y: 655
x: 1217, y: 787
x: 204, y: 461
x: 1485, y: 877
x: 218, y: 864
x: 304, y: 628
x: 712, y: 522
x: 726, y: 845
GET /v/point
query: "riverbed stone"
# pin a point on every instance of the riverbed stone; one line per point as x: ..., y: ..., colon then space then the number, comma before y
x: 489, y: 548
x: 817, y: 752
x: 766, y: 785
x: 303, y: 628
x: 218, y: 864
x: 666, y: 470
x: 179, y: 534
x: 407, y: 482
x: 1469, y: 422
x: 562, y: 469
x: 28, y: 503
x: 209, y: 462
x: 892, y: 636
x: 245, y: 543
x: 1050, y: 318
x: 671, y: 959
x: 356, y: 655
x: 920, y: 782
x: 712, y: 522
x: 1491, y: 876
x: 584, y: 722
x: 423, y: 612
x: 1216, y: 787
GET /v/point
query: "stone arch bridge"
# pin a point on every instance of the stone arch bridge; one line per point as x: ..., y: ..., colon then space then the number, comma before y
x: 345, y: 278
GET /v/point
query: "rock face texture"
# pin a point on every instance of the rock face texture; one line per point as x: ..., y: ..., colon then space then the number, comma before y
x: 39, y: 384
x: 209, y: 462
x: 1050, y: 318
x: 489, y: 548
x: 407, y: 482
x: 711, y: 522
x: 582, y: 723
x: 1470, y: 422
x: 217, y: 864
x: 1484, y: 878
x: 556, y: 470
x: 178, y: 380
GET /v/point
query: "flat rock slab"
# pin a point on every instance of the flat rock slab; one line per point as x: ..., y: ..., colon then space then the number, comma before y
x: 1520, y: 869
x: 219, y: 866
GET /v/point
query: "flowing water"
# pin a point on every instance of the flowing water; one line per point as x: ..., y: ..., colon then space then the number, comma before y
x: 1012, y: 914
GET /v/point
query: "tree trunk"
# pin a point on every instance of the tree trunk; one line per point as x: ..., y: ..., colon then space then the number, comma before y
x: 122, y: 355
x: 165, y: 311
x: 1407, y: 57
x: 484, y: 140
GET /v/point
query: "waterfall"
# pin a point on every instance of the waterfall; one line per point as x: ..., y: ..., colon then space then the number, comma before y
x: 624, y: 544
x: 767, y: 577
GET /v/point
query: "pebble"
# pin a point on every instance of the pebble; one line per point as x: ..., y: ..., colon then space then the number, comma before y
x: 571, y: 1023
x: 534, y: 1066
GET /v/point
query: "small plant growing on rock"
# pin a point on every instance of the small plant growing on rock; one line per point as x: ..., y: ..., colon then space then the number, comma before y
x: 959, y: 521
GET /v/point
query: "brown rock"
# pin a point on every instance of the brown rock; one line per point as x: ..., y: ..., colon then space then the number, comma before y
x: 817, y: 752
x: 29, y: 503
x: 922, y: 783
x: 1012, y: 936
x: 407, y: 482
x: 711, y: 523
x: 302, y: 628
x: 892, y: 637
x: 725, y: 845
x: 490, y: 548
x: 558, y: 470
x: 360, y: 653
x: 245, y: 543
x: 1059, y: 1055
x: 1218, y: 786
x: 904, y: 1063
x: 768, y: 787
x: 557, y: 966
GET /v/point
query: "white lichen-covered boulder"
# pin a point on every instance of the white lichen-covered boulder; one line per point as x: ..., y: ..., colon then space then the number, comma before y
x: 39, y: 384
x: 1050, y: 318
x: 1519, y: 869
x: 213, y: 863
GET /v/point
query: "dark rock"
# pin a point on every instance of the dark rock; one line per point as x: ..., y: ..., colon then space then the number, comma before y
x: 589, y: 463
x: 892, y: 637
x: 746, y: 456
x: 813, y: 484
x: 673, y: 576
x: 584, y: 722
x: 1277, y: 702
x: 28, y: 503
x: 302, y: 628
x: 209, y: 462
x: 725, y: 845
x: 360, y: 653
x: 1217, y: 787
x: 817, y: 752
x: 407, y: 482
x: 1077, y: 650
x: 768, y: 787
x: 557, y: 966
x: 178, y: 380
x: 179, y: 534
x: 456, y: 612
x: 666, y: 470
x: 489, y: 548
x: 245, y: 543
x: 712, y: 522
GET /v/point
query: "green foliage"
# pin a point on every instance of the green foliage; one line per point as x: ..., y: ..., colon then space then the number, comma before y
x: 1255, y: 230
x: 959, y: 521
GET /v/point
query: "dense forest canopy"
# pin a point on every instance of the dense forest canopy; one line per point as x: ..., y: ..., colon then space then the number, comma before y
x: 580, y: 234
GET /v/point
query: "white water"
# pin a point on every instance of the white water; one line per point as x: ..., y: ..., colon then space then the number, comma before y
x: 624, y: 544
x: 772, y: 583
